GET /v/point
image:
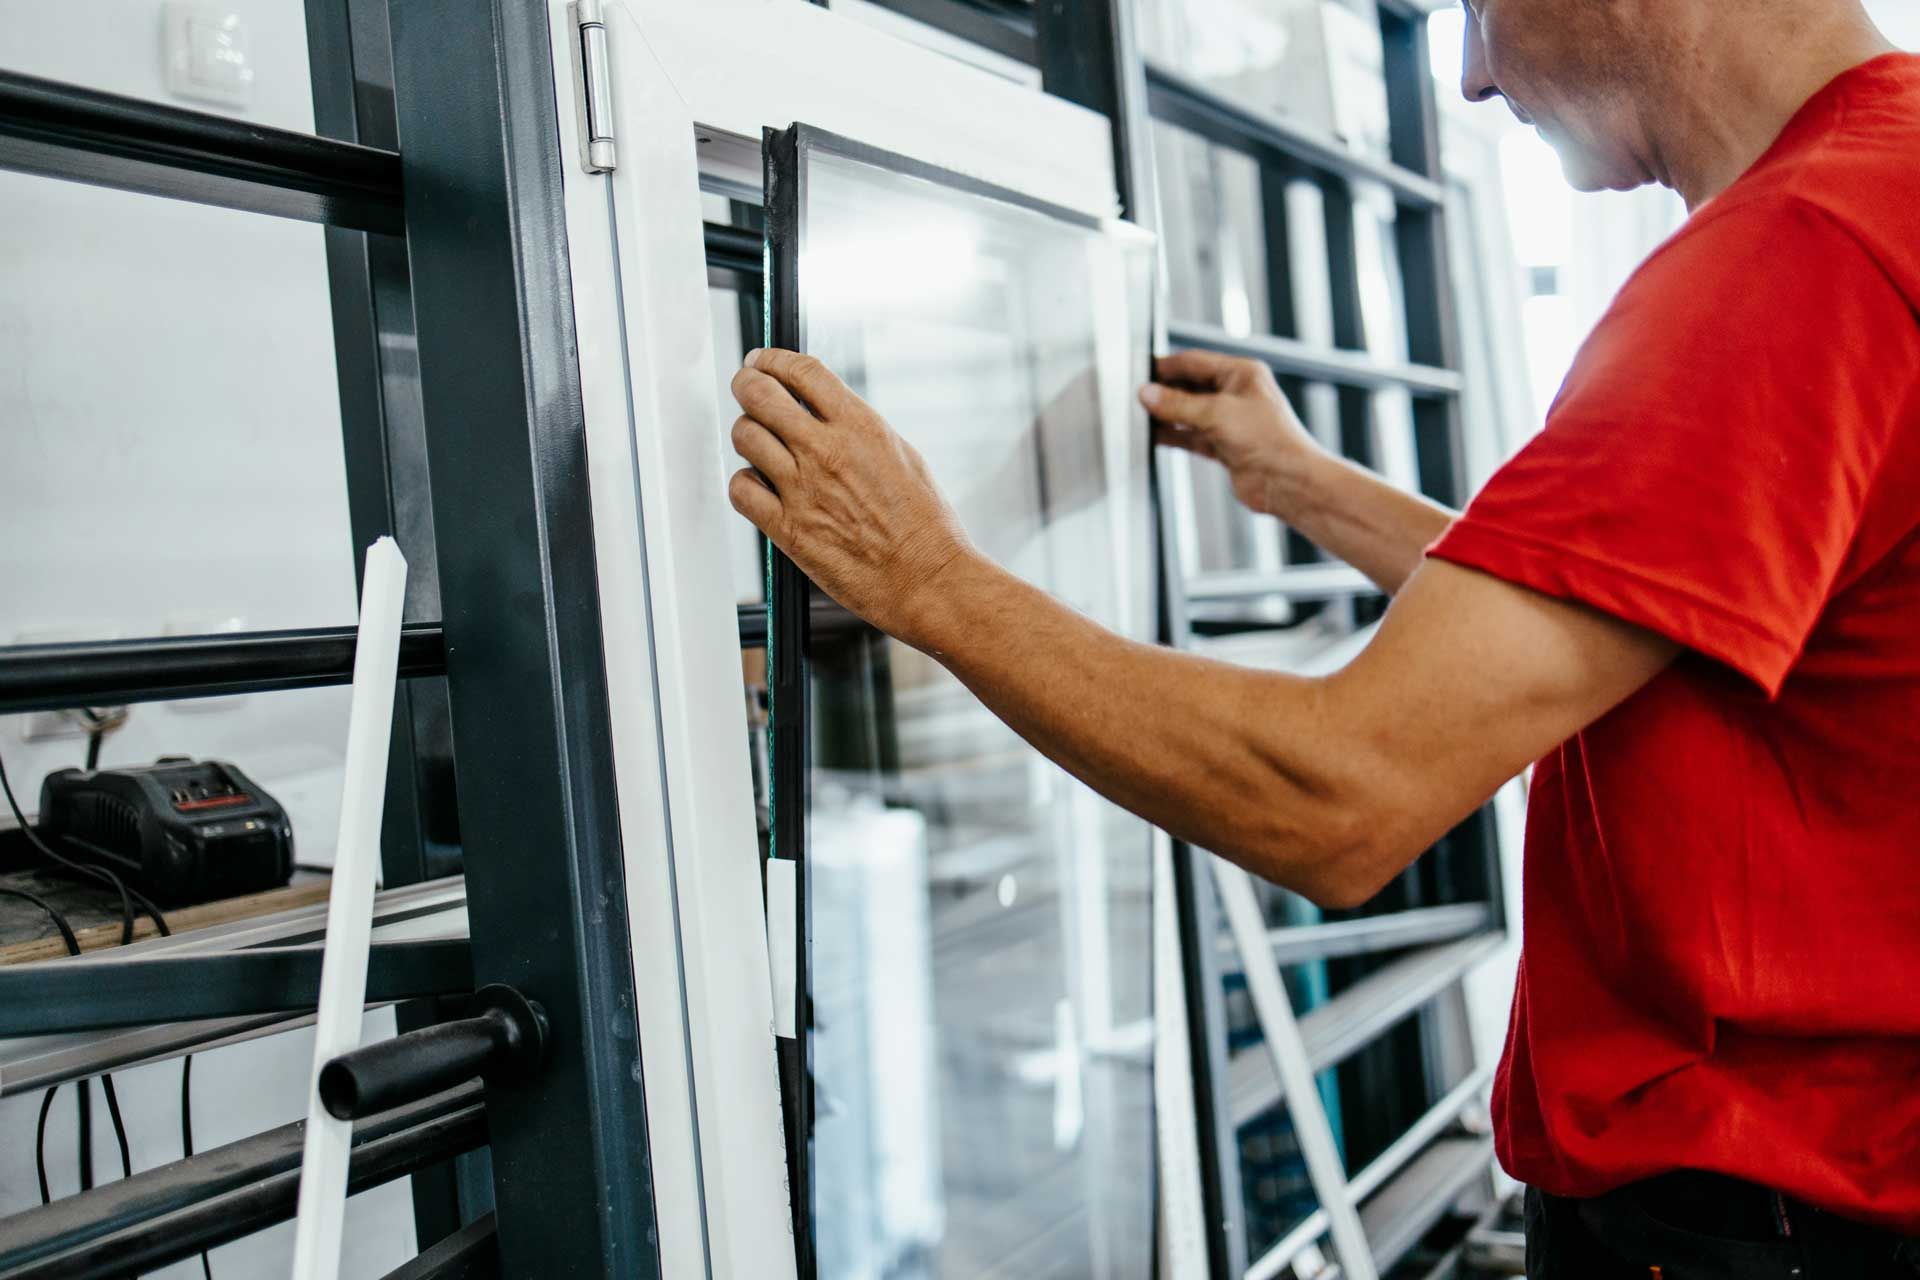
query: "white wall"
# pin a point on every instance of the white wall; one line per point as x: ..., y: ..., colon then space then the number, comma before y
x: 170, y: 461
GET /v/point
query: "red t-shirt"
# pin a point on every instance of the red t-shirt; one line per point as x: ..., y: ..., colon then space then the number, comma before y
x: 1722, y: 887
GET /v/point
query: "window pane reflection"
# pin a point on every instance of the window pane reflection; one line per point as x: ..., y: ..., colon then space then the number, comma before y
x: 980, y: 921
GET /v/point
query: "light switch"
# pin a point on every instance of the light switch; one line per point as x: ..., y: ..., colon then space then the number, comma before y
x: 207, y: 54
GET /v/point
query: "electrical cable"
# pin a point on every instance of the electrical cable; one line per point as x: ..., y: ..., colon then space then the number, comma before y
x: 40, y: 1145
x: 119, y: 1126
x: 73, y: 949
x: 98, y: 873
x: 186, y: 1136
x: 101, y: 725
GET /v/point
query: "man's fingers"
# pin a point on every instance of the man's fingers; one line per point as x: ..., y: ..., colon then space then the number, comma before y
x: 1176, y: 436
x: 1207, y: 368
x: 1173, y: 404
x: 771, y: 404
x: 752, y: 499
x: 806, y: 378
x: 763, y: 449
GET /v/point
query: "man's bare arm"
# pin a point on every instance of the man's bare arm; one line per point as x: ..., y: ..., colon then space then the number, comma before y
x: 1329, y: 786
x: 1232, y: 410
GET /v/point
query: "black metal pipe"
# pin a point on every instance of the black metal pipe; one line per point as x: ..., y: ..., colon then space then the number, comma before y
x: 49, y: 677
x: 734, y: 249
x: 506, y: 1039
x: 82, y: 135
x: 57, y: 996
x: 172, y: 1212
x: 471, y: 1253
x: 829, y: 621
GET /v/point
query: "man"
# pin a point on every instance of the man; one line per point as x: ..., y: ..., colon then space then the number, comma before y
x: 1694, y: 600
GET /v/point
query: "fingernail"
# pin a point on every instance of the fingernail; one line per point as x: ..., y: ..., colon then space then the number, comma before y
x: 752, y: 358
x: 1150, y: 395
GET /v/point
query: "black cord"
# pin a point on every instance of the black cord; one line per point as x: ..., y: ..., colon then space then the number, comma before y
x: 40, y: 1145
x: 128, y: 897
x: 119, y: 1127
x: 98, y: 873
x: 186, y: 1135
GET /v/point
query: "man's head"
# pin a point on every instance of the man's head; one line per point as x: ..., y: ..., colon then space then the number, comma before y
x: 1637, y: 91
x: 1583, y: 72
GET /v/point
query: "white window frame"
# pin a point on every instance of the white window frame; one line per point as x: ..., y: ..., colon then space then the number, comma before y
x: 693, y: 86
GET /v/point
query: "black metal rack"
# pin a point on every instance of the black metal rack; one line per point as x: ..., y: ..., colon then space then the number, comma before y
x: 436, y: 173
x: 469, y: 211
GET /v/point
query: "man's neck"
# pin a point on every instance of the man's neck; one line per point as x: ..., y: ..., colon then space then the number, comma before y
x: 1738, y: 89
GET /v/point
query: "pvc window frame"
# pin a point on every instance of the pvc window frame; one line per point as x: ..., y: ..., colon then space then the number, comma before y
x: 693, y: 87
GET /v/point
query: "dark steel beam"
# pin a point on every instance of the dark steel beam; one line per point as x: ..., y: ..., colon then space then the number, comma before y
x: 57, y: 996
x: 49, y: 677
x: 82, y: 135
x: 1178, y: 99
x: 161, y: 1215
x: 471, y: 1253
x: 733, y: 249
x: 478, y: 105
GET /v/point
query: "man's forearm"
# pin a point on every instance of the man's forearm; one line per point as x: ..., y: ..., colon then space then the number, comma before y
x: 1356, y: 516
x: 1237, y: 761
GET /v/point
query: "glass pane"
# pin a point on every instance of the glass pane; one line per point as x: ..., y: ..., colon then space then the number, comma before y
x: 1212, y: 224
x: 1315, y: 62
x: 979, y: 920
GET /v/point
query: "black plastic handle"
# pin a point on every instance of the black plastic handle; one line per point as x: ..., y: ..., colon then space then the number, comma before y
x: 505, y: 1041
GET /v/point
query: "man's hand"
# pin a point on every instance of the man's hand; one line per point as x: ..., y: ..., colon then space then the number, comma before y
x: 1231, y: 410
x: 839, y: 491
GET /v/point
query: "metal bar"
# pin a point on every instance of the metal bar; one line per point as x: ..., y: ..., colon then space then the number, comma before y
x: 383, y: 433
x: 161, y: 1215
x: 1406, y: 1208
x: 37, y: 1062
x: 1000, y: 28
x: 57, y: 996
x: 1351, y: 1020
x: 1220, y: 1186
x: 1370, y: 935
x: 1184, y: 102
x: 1277, y: 1259
x: 734, y: 249
x: 477, y: 104
x: 471, y: 1253
x: 49, y: 677
x: 1320, y: 364
x: 82, y: 135
x: 1286, y: 1051
x: 1409, y: 1144
x: 1301, y: 582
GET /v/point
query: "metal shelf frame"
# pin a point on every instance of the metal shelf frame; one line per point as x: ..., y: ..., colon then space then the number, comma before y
x: 176, y: 1210
x: 106, y: 991
x: 66, y: 131
x: 1293, y: 358
x: 462, y: 430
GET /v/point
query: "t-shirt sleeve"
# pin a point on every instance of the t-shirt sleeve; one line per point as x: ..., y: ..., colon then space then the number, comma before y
x: 1705, y: 468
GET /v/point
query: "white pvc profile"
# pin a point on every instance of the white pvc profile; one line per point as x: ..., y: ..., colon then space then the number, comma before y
x: 343, y: 967
x: 692, y: 86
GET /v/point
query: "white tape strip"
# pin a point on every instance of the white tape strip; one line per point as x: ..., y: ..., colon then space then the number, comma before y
x: 783, y: 948
x: 343, y: 971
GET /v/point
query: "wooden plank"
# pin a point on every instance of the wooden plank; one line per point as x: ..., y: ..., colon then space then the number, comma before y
x: 303, y: 893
